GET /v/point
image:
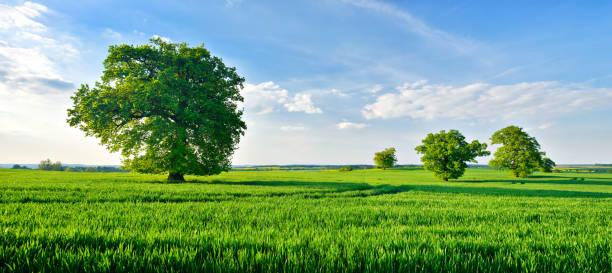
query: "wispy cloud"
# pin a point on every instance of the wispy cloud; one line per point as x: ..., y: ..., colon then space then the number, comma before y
x: 292, y: 128
x: 111, y: 34
x: 417, y: 26
x: 375, y: 89
x: 30, y: 54
x: 351, y: 125
x: 487, y: 101
x: 545, y: 126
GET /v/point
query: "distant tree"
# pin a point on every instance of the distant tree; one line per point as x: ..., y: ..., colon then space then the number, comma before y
x: 385, y: 159
x: 166, y: 106
x: 45, y: 165
x: 547, y: 165
x: 446, y: 154
x: 519, y: 153
x: 17, y: 167
x: 57, y: 166
x: 48, y: 165
x: 346, y: 169
x: 91, y: 170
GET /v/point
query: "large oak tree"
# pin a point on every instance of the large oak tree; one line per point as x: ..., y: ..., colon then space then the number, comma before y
x: 446, y: 153
x: 166, y: 107
x: 520, y: 153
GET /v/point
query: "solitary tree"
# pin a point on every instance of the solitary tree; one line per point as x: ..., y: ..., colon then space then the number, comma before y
x: 166, y: 106
x: 385, y: 159
x: 446, y: 154
x: 520, y: 152
x: 547, y: 165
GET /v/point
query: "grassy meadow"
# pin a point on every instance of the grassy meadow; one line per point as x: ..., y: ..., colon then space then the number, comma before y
x: 305, y: 221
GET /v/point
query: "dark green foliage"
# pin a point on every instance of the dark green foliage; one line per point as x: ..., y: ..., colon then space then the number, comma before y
x: 446, y: 154
x: 346, y: 169
x: 547, y: 165
x: 166, y: 106
x: 385, y: 158
x: 48, y: 165
x: 19, y: 167
x: 520, y: 152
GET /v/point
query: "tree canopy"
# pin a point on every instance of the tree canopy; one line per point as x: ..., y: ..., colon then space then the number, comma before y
x: 385, y: 158
x: 446, y: 153
x: 519, y: 153
x: 547, y: 165
x: 166, y: 107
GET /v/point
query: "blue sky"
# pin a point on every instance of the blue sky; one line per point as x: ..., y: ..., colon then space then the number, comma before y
x: 333, y: 81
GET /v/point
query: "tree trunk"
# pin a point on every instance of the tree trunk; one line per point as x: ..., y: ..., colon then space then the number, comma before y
x: 173, y: 176
x: 445, y: 179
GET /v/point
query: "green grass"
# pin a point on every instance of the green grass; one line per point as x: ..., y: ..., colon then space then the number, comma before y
x: 311, y: 221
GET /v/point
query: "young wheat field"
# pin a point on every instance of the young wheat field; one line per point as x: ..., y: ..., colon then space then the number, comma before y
x: 398, y: 220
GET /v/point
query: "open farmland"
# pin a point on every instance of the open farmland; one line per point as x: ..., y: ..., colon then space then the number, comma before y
x: 305, y: 221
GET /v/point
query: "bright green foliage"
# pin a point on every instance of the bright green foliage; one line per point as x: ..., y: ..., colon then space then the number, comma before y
x: 295, y: 221
x: 166, y: 106
x: 446, y: 154
x: 385, y: 158
x: 547, y: 165
x: 520, y: 152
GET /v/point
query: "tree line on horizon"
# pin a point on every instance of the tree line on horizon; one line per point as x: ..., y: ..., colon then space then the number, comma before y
x: 446, y: 153
x: 48, y: 165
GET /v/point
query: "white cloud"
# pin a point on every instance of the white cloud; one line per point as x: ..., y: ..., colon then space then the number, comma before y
x: 30, y: 54
x: 484, y: 101
x: 263, y: 98
x: 545, y: 125
x: 111, y: 34
x: 22, y: 17
x: 375, y: 89
x: 338, y: 93
x: 302, y: 103
x: 139, y: 33
x: 350, y: 125
x: 290, y: 128
x: 267, y: 97
x: 165, y: 39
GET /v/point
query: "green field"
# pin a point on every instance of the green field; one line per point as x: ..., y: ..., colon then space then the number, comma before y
x: 305, y: 221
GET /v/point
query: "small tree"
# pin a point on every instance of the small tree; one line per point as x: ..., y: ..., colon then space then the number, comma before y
x: 446, y: 154
x: 520, y: 152
x: 385, y: 159
x: 547, y: 165
x: 57, y: 166
x: 45, y: 165
x: 346, y: 169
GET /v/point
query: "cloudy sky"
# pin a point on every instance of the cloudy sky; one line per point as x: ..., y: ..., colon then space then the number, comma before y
x: 330, y: 81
